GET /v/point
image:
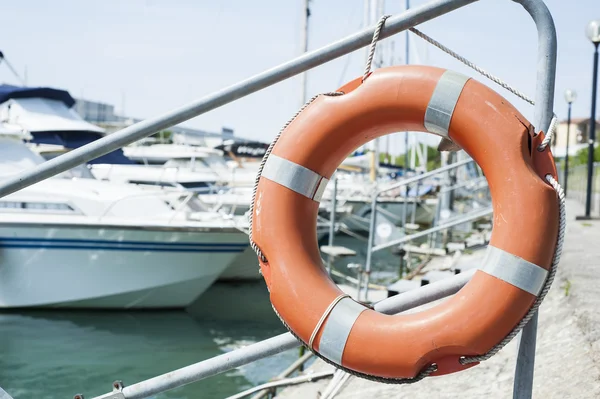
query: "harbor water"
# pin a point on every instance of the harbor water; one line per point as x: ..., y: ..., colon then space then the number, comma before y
x: 54, y: 354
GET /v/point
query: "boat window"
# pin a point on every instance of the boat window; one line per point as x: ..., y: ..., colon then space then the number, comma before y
x: 152, y: 183
x: 193, y: 185
x: 196, y: 164
x: 181, y: 163
x: 36, y: 206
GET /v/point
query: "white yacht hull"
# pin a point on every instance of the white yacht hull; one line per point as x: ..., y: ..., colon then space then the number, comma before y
x: 245, y: 266
x: 115, y: 267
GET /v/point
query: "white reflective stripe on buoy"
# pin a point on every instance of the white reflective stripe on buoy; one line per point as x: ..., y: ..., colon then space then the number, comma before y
x: 443, y: 101
x: 337, y: 329
x: 514, y: 270
x: 295, y: 177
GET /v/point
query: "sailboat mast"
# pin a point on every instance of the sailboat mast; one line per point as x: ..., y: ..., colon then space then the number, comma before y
x: 375, y: 11
x: 387, y: 137
x: 304, y: 49
x: 407, y: 133
x: 12, y: 69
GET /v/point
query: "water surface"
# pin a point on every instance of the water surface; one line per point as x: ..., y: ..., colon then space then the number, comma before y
x: 58, y: 354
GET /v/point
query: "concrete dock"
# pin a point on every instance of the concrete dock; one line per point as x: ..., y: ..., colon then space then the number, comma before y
x: 568, y: 346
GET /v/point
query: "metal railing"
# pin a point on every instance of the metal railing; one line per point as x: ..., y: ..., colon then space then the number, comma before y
x: 272, y: 346
x: 546, y: 69
x: 577, y: 185
x: 179, y: 198
x: 473, y: 216
x: 373, y: 216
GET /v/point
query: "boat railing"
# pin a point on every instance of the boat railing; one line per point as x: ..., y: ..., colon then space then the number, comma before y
x: 182, y: 199
x: 401, y: 184
x: 546, y: 70
x: 469, y: 217
x: 477, y: 184
x: 421, y: 177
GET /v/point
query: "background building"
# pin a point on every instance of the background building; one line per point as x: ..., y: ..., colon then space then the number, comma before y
x: 578, y: 136
x: 103, y: 115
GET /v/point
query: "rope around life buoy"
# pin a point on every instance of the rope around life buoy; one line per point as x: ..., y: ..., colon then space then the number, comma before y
x: 556, y: 186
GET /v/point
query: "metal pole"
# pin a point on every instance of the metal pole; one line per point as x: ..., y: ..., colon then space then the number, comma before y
x: 283, y: 382
x: 332, y: 223
x: 444, y: 199
x: 592, y: 137
x: 566, y: 185
x: 452, y: 177
x: 284, y: 374
x: 12, y: 69
x: 414, y: 205
x: 393, y: 25
x: 304, y: 43
x: 388, y: 158
x: 544, y: 104
x: 405, y: 208
x: 4, y: 395
x: 376, y: 11
x: 248, y: 354
x: 370, y: 243
x: 303, y: 80
x: 522, y: 388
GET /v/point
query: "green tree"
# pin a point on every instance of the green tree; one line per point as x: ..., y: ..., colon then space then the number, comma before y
x: 434, y: 159
x: 164, y: 136
x: 581, y: 157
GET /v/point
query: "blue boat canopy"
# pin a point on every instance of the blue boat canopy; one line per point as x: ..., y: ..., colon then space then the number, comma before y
x: 72, y: 140
x: 8, y: 92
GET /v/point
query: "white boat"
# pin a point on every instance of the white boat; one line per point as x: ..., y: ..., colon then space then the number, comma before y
x: 196, y: 160
x: 68, y: 242
x: 56, y: 129
x: 159, y: 154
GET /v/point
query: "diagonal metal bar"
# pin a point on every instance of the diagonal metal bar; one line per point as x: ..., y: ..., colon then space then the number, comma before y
x: 424, y: 176
x: 464, y: 219
x: 253, y: 84
x: 239, y: 357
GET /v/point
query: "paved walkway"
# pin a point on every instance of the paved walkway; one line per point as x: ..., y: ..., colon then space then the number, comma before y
x: 568, y: 352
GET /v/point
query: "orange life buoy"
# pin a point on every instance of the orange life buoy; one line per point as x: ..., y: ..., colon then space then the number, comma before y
x: 483, y: 312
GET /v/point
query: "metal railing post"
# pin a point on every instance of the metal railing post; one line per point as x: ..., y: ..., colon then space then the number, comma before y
x: 544, y: 105
x: 405, y: 208
x: 369, y: 259
x: 523, y: 386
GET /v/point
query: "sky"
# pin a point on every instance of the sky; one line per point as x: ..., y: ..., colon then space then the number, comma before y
x: 150, y: 56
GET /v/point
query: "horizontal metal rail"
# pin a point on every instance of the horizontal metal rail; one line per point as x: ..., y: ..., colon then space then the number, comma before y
x: 424, y: 233
x: 299, y: 363
x: 239, y: 357
x: 425, y: 175
x: 285, y: 382
x: 476, y: 182
x: 95, y: 149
